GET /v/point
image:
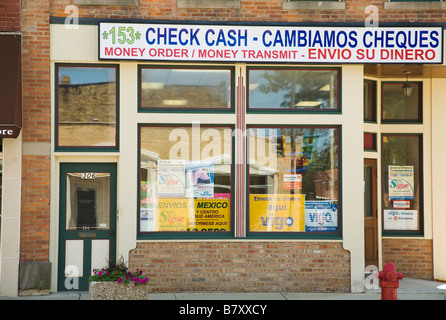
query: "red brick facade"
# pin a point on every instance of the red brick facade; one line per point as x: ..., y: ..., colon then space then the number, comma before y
x: 10, y: 15
x: 192, y: 266
x: 36, y: 129
x: 412, y: 257
x: 266, y: 11
x: 244, y: 266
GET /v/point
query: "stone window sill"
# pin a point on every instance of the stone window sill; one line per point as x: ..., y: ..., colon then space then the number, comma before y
x: 413, y: 5
x: 106, y: 2
x: 313, y: 5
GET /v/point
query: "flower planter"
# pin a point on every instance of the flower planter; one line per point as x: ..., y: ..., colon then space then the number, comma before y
x: 111, y: 290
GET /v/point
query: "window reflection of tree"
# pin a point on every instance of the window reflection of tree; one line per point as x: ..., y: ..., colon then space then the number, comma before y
x: 397, y: 106
x: 299, y: 86
x: 319, y: 178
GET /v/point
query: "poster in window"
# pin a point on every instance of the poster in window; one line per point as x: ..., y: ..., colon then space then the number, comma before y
x: 171, y: 178
x: 200, y: 179
x: 321, y: 216
x: 401, y: 182
x: 276, y: 213
x: 182, y: 214
x: 400, y: 219
x: 292, y: 181
x: 148, y: 205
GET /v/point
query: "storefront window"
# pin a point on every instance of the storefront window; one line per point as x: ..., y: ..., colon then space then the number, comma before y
x: 370, y: 100
x: 402, y: 183
x: 186, y: 180
x: 87, y: 107
x: 294, y: 180
x: 293, y: 89
x: 396, y: 107
x: 186, y: 88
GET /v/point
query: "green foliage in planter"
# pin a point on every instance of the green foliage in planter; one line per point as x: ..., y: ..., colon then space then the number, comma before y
x: 118, y: 272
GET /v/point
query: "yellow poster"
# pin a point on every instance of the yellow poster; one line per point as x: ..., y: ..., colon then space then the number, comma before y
x: 180, y: 214
x: 277, y: 213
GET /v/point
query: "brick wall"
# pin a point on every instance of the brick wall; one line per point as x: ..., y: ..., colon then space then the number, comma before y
x: 35, y: 219
x: 9, y: 15
x: 243, y: 266
x: 250, y: 10
x: 412, y: 257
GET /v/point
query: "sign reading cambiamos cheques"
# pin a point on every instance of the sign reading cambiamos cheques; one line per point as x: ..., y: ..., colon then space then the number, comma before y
x: 237, y: 43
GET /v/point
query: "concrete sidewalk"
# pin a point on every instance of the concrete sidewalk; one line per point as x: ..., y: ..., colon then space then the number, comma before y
x: 410, y: 289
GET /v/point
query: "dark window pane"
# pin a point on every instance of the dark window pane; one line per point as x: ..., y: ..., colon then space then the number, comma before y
x: 396, y: 107
x: 369, y: 100
x: 369, y: 141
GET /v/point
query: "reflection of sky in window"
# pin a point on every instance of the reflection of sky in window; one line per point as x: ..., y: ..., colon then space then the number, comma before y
x: 84, y: 75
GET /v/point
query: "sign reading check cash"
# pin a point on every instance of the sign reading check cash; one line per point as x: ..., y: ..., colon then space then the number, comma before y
x: 238, y: 43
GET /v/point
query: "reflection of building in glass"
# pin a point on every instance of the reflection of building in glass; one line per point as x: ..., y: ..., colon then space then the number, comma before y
x: 277, y: 155
x: 175, y: 96
x: 87, y: 113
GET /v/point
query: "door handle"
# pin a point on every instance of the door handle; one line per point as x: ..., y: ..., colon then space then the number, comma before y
x: 112, y: 233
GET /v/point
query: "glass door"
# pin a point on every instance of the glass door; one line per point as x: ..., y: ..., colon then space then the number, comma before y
x: 87, y: 222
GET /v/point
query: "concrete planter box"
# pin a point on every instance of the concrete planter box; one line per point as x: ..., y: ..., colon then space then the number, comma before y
x: 108, y: 290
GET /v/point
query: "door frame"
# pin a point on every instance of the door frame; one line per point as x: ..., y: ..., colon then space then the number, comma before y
x: 84, y: 235
x: 374, y: 219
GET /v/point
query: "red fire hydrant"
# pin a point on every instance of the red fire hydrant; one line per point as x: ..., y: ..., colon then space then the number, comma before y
x: 388, y: 281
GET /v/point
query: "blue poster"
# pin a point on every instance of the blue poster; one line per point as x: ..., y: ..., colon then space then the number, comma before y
x: 321, y: 216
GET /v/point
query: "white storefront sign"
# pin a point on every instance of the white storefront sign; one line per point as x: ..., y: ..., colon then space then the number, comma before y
x: 238, y: 43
